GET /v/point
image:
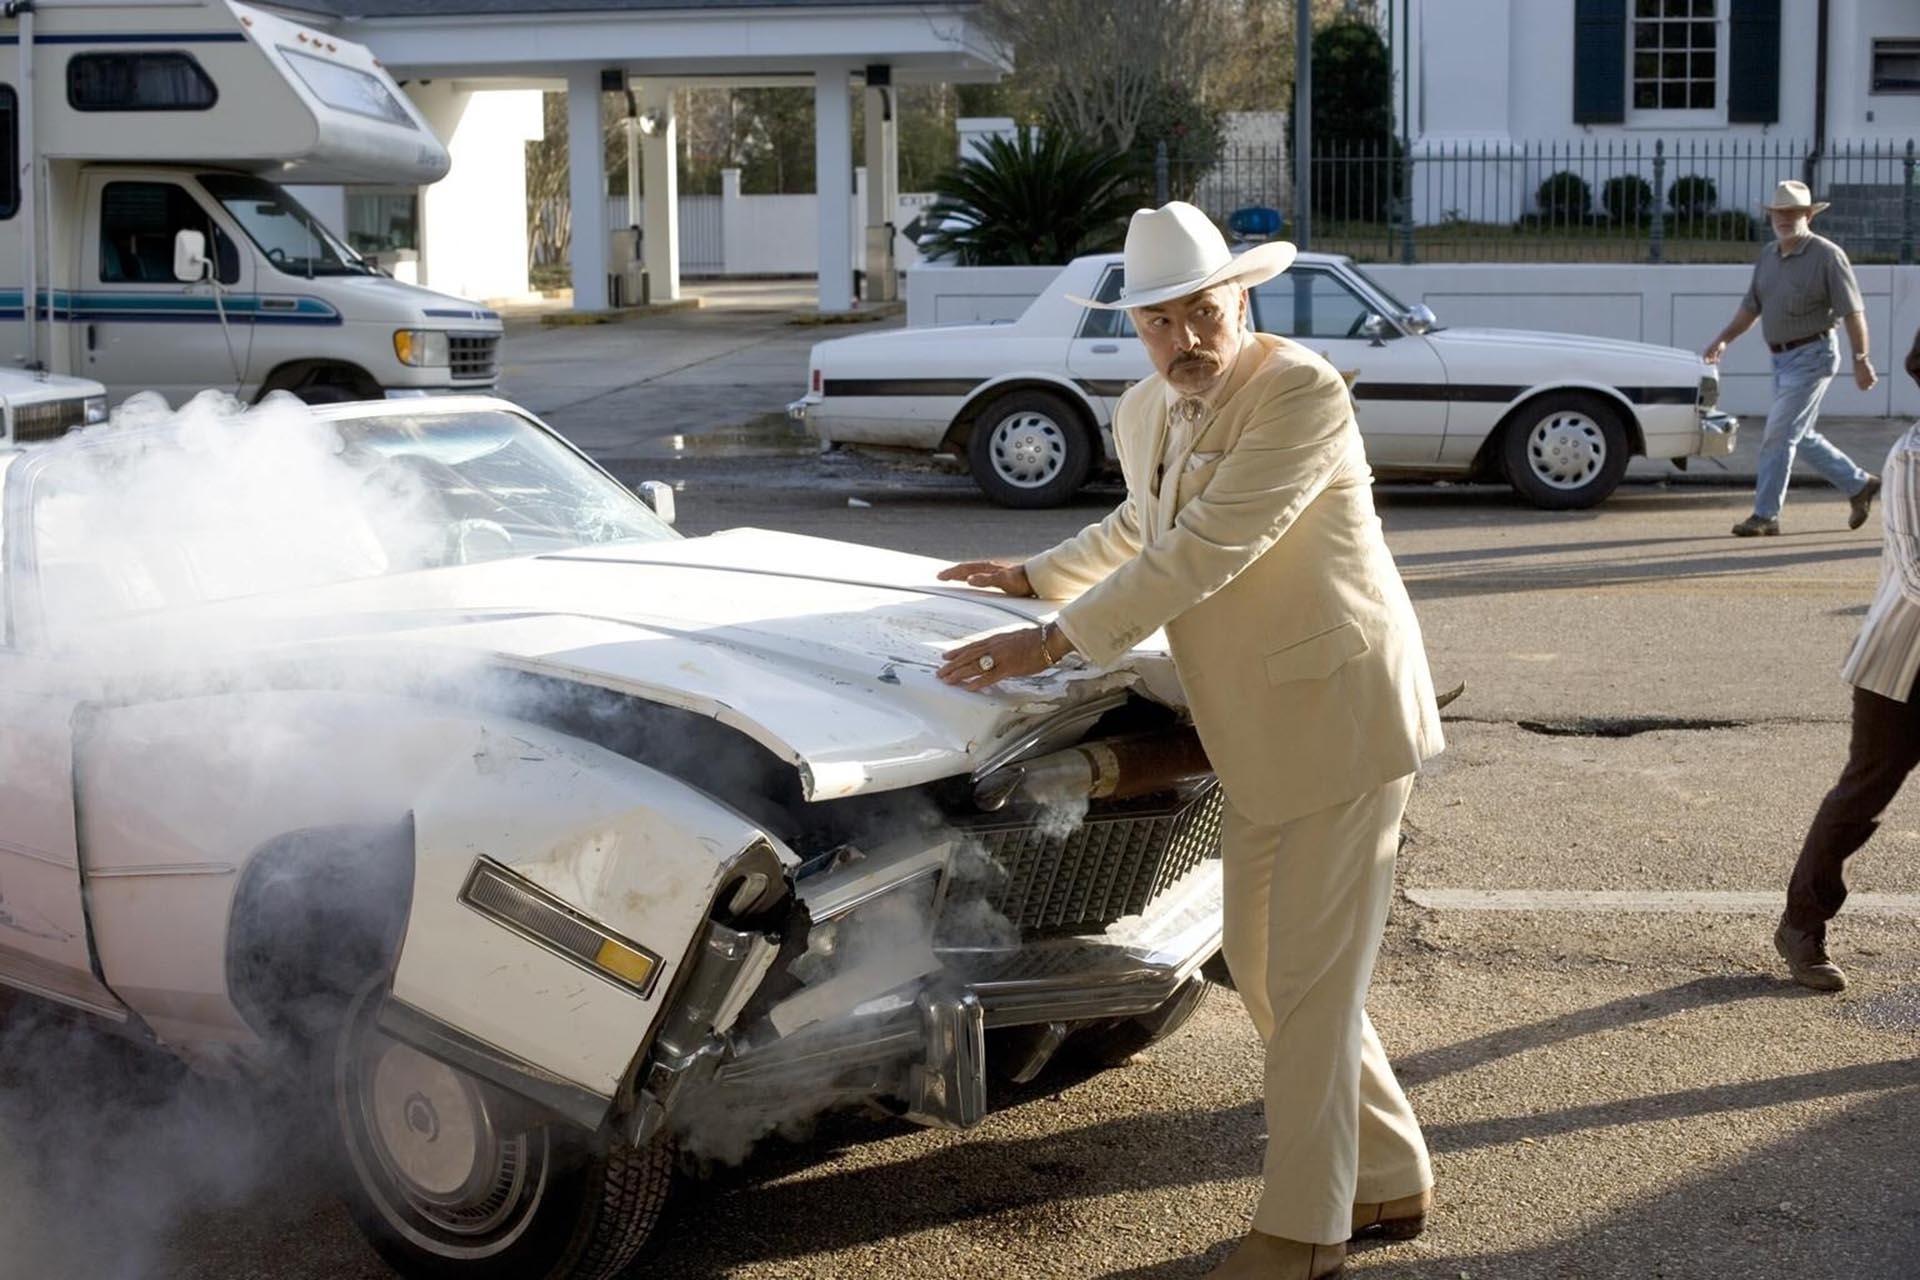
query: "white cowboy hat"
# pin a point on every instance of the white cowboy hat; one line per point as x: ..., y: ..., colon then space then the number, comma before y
x: 1176, y: 250
x: 1793, y: 197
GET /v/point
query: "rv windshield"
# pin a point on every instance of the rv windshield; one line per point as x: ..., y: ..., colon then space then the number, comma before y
x: 293, y: 239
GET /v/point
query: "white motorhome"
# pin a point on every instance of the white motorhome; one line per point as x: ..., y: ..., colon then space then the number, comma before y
x: 140, y: 205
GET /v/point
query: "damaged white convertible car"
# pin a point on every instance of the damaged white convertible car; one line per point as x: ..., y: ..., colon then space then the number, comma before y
x: 554, y: 838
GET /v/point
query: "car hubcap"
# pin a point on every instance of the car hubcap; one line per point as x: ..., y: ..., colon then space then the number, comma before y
x: 1028, y: 450
x: 1566, y: 450
x: 437, y: 1140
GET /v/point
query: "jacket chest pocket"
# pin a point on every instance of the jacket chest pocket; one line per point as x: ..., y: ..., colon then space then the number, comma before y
x: 1318, y: 656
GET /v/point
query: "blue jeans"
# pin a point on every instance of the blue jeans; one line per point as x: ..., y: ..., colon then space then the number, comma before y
x: 1800, y: 379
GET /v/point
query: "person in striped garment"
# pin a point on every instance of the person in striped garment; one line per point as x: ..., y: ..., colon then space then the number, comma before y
x: 1883, y: 670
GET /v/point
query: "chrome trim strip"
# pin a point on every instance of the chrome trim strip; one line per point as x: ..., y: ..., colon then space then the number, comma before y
x: 164, y: 869
x: 36, y: 855
x: 1081, y: 716
x: 572, y: 1102
x: 33, y: 988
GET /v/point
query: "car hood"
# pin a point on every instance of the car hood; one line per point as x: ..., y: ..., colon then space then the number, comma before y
x: 1672, y: 359
x: 384, y: 298
x: 822, y: 652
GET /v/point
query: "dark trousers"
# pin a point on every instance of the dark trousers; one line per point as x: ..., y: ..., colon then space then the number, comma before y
x: 1884, y: 750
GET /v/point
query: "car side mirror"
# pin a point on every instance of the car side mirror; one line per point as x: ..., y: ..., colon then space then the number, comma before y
x: 1421, y: 318
x: 658, y: 495
x: 189, y: 256
x: 1374, y: 327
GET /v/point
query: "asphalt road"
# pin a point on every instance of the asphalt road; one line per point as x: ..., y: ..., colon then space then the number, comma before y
x: 1650, y: 706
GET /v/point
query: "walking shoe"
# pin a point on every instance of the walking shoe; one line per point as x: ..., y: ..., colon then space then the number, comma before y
x: 1806, y: 957
x: 1264, y: 1257
x: 1401, y: 1219
x: 1862, y: 502
x: 1757, y: 527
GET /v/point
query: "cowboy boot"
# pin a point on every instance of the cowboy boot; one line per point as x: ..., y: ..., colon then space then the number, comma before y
x: 1861, y: 503
x: 1264, y: 1257
x: 1401, y: 1219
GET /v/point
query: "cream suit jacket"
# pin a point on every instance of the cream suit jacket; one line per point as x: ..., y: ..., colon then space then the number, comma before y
x: 1289, y: 625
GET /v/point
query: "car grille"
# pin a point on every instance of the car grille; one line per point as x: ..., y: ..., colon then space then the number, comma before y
x: 46, y: 420
x: 1122, y: 857
x: 473, y: 355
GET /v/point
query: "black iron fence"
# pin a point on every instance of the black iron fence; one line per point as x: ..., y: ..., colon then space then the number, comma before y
x: 1692, y: 200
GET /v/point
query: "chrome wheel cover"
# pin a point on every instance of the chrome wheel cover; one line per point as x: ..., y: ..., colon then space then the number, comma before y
x: 1028, y: 449
x: 1566, y: 450
x: 429, y: 1148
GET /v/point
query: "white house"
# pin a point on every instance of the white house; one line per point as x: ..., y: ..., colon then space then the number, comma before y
x: 476, y: 68
x: 1740, y: 91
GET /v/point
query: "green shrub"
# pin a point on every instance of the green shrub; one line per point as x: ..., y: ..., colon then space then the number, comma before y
x: 1693, y: 196
x: 1627, y: 197
x: 1729, y: 224
x: 1565, y: 197
x: 1023, y: 202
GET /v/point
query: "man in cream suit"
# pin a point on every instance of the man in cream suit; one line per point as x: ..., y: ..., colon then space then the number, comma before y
x: 1248, y: 532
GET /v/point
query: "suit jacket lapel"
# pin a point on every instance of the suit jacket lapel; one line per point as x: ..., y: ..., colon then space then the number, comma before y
x: 1153, y: 430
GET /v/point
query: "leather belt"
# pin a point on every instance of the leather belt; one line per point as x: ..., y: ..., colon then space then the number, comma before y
x: 1778, y: 347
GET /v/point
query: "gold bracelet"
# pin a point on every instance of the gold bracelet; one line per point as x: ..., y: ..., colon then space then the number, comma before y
x: 1046, y: 652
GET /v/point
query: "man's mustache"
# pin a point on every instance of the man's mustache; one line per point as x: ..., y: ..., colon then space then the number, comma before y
x: 1200, y: 358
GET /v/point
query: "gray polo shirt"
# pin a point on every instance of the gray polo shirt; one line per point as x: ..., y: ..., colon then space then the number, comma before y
x: 1804, y: 292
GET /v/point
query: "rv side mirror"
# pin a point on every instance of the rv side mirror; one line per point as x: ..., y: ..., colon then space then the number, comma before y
x: 658, y: 495
x: 189, y: 256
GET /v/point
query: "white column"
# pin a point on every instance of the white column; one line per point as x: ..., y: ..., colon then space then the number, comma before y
x: 660, y: 242
x: 587, y: 189
x: 833, y: 180
x: 883, y: 189
x: 733, y: 231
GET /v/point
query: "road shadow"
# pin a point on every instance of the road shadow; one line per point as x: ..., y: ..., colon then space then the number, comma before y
x: 773, y: 1210
x: 1718, y: 989
x: 1834, y: 1199
x: 1442, y: 575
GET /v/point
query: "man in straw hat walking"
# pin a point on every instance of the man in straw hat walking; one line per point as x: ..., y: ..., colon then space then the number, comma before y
x: 1248, y: 532
x: 1802, y: 285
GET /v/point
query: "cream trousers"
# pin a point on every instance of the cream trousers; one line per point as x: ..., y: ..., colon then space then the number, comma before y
x: 1306, y: 905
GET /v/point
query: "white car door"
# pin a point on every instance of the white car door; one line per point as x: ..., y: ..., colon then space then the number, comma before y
x: 44, y: 946
x: 1399, y: 382
x: 1105, y: 356
x: 136, y: 327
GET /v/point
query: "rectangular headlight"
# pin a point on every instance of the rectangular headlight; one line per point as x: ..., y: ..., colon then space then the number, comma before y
x: 96, y: 409
x: 520, y: 905
x: 422, y: 348
x: 1709, y: 390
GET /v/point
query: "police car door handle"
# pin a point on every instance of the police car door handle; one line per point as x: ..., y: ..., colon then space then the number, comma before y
x: 1105, y: 348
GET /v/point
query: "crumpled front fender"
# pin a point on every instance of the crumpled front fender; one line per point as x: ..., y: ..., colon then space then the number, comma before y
x: 635, y: 850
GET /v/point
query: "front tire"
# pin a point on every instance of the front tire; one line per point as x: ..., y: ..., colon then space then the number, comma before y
x: 447, y: 1178
x: 1030, y: 449
x: 1565, y: 451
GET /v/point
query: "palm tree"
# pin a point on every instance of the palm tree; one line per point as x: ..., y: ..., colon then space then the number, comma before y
x: 1027, y: 201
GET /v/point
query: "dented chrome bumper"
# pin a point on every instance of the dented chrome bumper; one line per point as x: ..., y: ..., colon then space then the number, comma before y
x: 924, y: 1043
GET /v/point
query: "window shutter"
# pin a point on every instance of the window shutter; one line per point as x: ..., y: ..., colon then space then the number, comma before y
x: 1753, y: 62
x: 1599, y: 61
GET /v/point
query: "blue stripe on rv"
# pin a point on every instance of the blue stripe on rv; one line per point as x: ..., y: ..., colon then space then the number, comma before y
x: 141, y: 37
x: 142, y: 308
